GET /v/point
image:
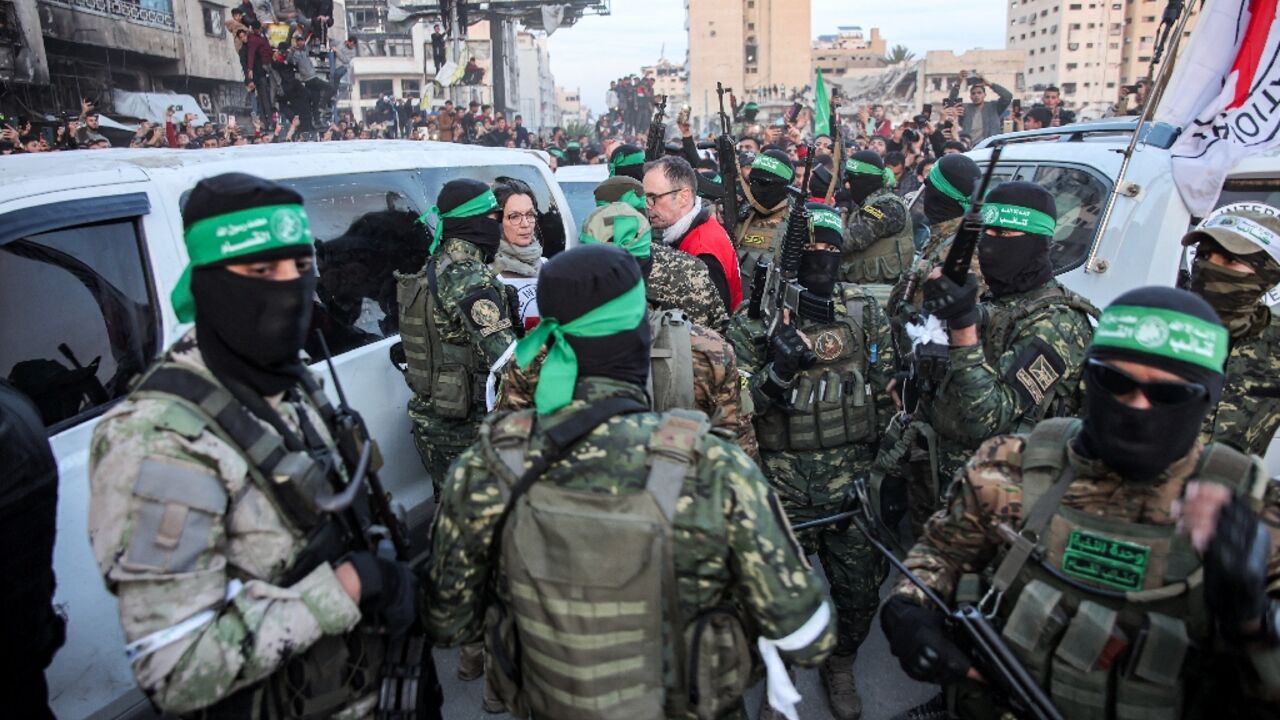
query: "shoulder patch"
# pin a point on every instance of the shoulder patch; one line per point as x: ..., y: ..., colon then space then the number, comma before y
x: 873, y: 211
x: 1035, y: 371
x: 486, y: 311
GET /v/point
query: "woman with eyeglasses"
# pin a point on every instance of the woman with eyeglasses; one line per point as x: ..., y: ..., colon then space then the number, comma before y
x: 1115, y: 544
x: 520, y: 252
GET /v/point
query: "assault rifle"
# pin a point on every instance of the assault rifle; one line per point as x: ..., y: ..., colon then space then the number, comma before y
x: 930, y: 360
x: 357, y: 449
x: 775, y: 286
x: 727, y: 153
x: 657, y: 131
x: 992, y: 657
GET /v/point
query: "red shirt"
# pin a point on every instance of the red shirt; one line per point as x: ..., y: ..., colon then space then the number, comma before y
x: 709, y: 238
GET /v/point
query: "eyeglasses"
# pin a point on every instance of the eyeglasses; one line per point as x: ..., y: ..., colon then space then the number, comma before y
x: 1159, y: 392
x: 651, y: 199
x: 528, y: 218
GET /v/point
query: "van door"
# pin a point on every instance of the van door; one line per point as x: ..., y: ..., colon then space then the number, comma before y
x: 78, y: 323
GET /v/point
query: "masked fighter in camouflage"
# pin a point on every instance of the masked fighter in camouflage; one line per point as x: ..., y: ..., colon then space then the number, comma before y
x: 819, y: 390
x: 630, y: 510
x: 1134, y: 568
x: 1237, y: 262
x: 239, y: 596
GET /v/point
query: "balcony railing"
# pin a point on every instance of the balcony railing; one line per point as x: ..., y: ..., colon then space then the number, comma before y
x: 152, y: 13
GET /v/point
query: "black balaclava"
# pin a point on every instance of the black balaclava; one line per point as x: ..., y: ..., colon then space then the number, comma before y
x: 861, y: 185
x: 250, y: 330
x: 820, y: 269
x: 627, y: 154
x: 582, y: 279
x: 820, y: 179
x: 962, y: 174
x: 1016, y: 264
x: 1234, y: 295
x: 770, y: 189
x: 1140, y: 444
x: 480, y: 230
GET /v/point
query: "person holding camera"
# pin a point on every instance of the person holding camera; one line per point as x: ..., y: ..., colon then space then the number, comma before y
x: 980, y: 119
x: 1138, y: 91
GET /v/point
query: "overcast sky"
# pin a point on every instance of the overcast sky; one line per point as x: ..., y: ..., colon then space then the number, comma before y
x: 599, y: 49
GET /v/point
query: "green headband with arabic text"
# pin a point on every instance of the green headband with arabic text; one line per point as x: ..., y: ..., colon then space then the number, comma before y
x: 773, y: 165
x: 559, y: 373
x: 1167, y: 333
x: 479, y: 205
x: 1016, y: 217
x: 858, y: 167
x: 237, y: 234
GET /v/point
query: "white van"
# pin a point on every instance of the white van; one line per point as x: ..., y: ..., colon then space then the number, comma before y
x: 90, y: 248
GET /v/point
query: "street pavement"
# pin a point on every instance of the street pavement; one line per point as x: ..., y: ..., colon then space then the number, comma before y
x: 885, y: 690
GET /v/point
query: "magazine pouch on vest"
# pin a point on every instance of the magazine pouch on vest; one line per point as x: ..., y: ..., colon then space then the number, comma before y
x: 593, y: 595
x: 670, y: 361
x: 338, y: 669
x: 832, y: 403
x: 1105, y: 611
x: 442, y: 374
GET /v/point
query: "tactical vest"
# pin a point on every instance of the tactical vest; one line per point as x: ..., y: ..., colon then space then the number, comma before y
x: 1105, y: 613
x: 446, y: 376
x: 832, y: 403
x: 593, y: 593
x: 337, y: 670
x: 671, y: 361
x: 756, y: 240
x: 886, y: 259
x: 999, y: 331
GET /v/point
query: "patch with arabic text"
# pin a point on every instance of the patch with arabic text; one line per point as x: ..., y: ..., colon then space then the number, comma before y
x: 1102, y: 560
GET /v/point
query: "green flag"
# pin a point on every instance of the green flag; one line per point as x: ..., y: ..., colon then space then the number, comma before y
x: 822, y: 108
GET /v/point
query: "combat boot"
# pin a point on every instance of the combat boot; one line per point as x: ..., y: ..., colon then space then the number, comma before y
x: 933, y: 709
x: 471, y: 661
x: 842, y: 689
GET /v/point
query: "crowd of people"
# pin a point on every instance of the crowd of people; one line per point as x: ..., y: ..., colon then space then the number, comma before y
x: 636, y: 444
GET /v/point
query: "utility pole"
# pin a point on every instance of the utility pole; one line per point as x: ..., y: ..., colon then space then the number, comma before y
x: 455, y: 37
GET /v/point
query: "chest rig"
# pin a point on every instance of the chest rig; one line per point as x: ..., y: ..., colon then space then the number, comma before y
x: 885, y: 260
x: 441, y: 373
x: 832, y: 403
x: 1108, y: 614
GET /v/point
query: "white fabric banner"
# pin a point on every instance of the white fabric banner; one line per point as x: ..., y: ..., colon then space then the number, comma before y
x: 552, y: 16
x: 1225, y: 95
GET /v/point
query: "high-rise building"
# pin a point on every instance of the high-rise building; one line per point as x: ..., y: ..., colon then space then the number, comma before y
x: 537, y: 84
x: 849, y: 48
x: 1087, y: 49
x: 746, y: 45
x: 668, y: 79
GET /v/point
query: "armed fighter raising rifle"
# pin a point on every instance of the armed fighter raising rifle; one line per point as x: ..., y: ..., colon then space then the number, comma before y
x: 657, y: 131
x: 727, y: 153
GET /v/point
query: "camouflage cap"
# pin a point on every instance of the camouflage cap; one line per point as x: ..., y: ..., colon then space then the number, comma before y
x: 1241, y: 229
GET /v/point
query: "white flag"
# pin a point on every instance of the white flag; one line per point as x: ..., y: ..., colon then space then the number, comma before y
x: 552, y: 16
x: 1225, y: 95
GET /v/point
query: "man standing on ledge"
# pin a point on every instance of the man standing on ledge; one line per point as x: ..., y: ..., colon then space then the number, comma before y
x: 674, y: 211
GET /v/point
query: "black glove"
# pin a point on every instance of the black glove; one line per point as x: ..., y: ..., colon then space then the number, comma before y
x: 790, y: 353
x: 388, y: 589
x: 513, y: 310
x: 894, y: 500
x: 918, y: 638
x: 1235, y: 568
x: 957, y: 304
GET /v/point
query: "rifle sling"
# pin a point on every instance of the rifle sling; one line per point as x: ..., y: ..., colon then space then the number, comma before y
x: 1033, y: 526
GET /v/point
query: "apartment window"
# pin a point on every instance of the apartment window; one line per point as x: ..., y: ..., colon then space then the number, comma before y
x: 1144, y: 58
x: 1072, y: 66
x: 1111, y: 85
x: 1114, y: 46
x: 212, y: 15
x: 1032, y: 51
x: 1149, y: 18
x: 1041, y: 68
x: 1075, y: 26
x: 1088, y: 45
x: 410, y: 87
x: 713, y: 33
x: 1116, y: 6
x: 374, y: 89
x: 1073, y: 46
x: 1075, y: 6
x: 399, y: 47
x: 1023, y: 36
x: 751, y: 26
x: 1069, y: 88
x: 1092, y: 25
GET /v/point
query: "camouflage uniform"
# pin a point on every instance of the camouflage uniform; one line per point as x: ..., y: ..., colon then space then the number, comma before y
x: 812, y: 483
x: 1248, y: 414
x: 966, y: 538
x: 472, y: 312
x: 680, y: 281
x: 1011, y: 379
x: 877, y: 240
x: 717, y: 387
x: 230, y: 532
x: 757, y: 238
x: 741, y: 553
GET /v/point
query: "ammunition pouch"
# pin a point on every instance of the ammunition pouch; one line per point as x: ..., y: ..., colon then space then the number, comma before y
x: 721, y: 664
x: 445, y: 376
